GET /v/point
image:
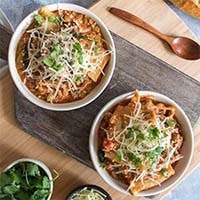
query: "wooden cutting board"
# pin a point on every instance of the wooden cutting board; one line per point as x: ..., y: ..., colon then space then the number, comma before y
x: 14, y: 143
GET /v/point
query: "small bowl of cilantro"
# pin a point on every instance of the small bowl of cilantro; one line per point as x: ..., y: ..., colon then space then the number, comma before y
x: 26, y: 179
x: 88, y: 192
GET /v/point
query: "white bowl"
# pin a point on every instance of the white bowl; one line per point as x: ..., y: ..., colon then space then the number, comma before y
x: 39, y: 163
x: 66, y: 106
x: 186, y: 150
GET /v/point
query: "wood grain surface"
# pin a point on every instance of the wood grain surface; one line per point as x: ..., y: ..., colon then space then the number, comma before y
x: 14, y: 143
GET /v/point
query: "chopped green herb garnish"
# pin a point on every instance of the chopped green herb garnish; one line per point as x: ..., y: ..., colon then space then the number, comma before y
x: 140, y: 137
x: 165, y: 134
x: 39, y: 19
x: 164, y: 172
x: 129, y: 133
x: 119, y: 154
x: 53, y: 19
x: 49, y: 61
x: 170, y: 123
x: 32, y: 169
x: 78, y: 78
x: 24, y: 181
x: 80, y: 59
x: 77, y: 48
x: 56, y: 51
x: 102, y: 165
x: 10, y: 189
x: 159, y: 150
x: 58, y: 66
x: 79, y: 36
x: 154, y: 153
x: 136, y: 161
x: 154, y: 132
x: 95, y: 49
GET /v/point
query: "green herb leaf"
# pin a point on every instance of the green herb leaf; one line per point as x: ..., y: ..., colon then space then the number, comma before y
x: 154, y: 132
x: 80, y: 59
x: 102, y: 165
x: 95, y: 49
x: 140, y: 137
x: 119, y: 154
x: 46, y: 182
x: 159, y: 150
x: 58, y: 67
x: 53, y: 19
x: 154, y: 153
x: 56, y: 51
x: 16, y: 177
x: 39, y: 19
x: 136, y: 161
x: 77, y: 48
x: 129, y: 133
x: 32, y: 169
x: 5, y: 179
x: 40, y: 194
x: 49, y: 61
x: 171, y: 123
x: 10, y: 189
x: 78, y: 36
x: 78, y: 78
x: 164, y: 172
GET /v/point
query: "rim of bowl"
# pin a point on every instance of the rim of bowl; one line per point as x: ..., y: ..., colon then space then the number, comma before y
x: 99, y: 117
x: 40, y: 164
x: 96, y: 187
x: 26, y: 92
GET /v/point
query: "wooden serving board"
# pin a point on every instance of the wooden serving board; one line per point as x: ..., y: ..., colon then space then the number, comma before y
x: 15, y: 144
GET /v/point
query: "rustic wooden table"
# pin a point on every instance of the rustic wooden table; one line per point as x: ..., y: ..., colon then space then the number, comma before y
x: 14, y: 143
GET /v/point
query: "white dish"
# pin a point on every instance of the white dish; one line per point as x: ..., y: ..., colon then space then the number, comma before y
x: 186, y: 150
x: 75, y: 104
x: 39, y: 163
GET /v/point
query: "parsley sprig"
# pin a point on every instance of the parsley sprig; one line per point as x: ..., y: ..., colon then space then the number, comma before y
x: 51, y: 61
x: 24, y: 181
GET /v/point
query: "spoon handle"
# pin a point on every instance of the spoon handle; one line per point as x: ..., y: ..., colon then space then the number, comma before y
x: 137, y: 21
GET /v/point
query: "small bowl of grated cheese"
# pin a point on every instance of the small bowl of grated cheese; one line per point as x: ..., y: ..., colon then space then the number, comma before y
x: 89, y: 192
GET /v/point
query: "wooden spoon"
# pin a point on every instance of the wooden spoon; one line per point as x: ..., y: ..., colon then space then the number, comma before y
x: 182, y: 46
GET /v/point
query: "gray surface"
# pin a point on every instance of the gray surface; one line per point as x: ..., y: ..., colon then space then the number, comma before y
x: 17, y: 9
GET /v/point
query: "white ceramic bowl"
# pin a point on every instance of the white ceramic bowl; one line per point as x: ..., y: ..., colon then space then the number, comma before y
x: 39, y: 163
x: 66, y: 106
x: 186, y: 150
